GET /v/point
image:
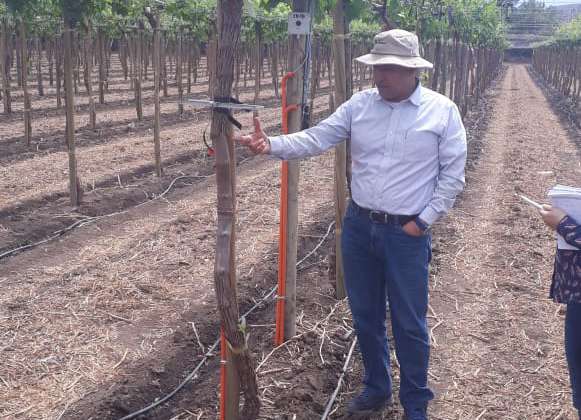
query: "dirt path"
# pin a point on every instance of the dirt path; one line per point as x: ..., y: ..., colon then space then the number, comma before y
x: 498, y: 350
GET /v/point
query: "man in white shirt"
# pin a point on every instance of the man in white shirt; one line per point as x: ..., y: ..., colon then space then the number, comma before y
x: 408, y: 148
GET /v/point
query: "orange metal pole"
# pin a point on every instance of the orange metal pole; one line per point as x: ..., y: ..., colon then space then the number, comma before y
x: 279, y: 333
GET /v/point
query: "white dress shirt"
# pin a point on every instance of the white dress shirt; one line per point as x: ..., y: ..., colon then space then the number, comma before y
x: 407, y: 157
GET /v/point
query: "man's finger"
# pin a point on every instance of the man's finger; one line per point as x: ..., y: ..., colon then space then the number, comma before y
x: 411, y: 228
x: 255, y: 144
x: 257, y: 136
x: 257, y: 127
x: 245, y: 140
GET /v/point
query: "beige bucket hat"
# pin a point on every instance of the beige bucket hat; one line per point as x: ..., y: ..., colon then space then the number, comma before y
x: 397, y: 47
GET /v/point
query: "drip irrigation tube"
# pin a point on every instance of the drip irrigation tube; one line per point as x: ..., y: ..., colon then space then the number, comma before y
x: 210, y: 351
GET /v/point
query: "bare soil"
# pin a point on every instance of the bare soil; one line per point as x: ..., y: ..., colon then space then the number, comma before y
x: 100, y: 322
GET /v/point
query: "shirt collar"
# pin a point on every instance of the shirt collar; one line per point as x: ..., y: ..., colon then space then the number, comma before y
x: 415, y: 98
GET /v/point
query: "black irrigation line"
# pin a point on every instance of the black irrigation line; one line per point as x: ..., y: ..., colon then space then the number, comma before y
x: 89, y: 220
x: 210, y: 351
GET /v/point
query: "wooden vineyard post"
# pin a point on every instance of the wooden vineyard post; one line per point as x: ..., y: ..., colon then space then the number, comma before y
x: 154, y: 22
x: 4, y: 69
x: 459, y: 85
x: 339, y: 29
x: 39, y: 67
x: 75, y: 53
x: 228, y: 14
x: 444, y: 65
x: 315, y: 69
x: 59, y: 72
x: 257, y: 75
x: 190, y: 57
x: 50, y: 47
x: 477, y: 58
x: 70, y: 116
x: 349, y: 85
x: 437, y: 63
x: 464, y: 98
x: 18, y: 60
x: 179, y: 70
x: 452, y: 66
x: 145, y: 53
x: 23, y: 82
x: 196, y: 60
x: 88, y: 76
x: 274, y: 67
x: 123, y: 55
x: 101, y: 55
x: 137, y: 70
x: 289, y: 185
x: 164, y: 46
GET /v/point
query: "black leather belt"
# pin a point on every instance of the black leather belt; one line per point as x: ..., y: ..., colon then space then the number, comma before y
x: 384, y: 218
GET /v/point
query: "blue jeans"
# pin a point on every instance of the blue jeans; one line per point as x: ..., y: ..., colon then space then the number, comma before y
x: 382, y: 260
x: 573, y: 349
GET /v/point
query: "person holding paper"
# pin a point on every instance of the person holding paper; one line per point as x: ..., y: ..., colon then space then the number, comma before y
x: 566, y: 289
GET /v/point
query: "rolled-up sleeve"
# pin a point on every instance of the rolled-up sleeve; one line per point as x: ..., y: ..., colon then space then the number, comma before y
x: 452, y: 152
x: 315, y: 140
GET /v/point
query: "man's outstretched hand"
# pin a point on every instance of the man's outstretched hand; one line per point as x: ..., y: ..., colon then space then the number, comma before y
x: 257, y: 142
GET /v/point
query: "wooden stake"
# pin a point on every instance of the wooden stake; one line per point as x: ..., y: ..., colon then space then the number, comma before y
x: 179, y: 71
x: 23, y: 82
x: 39, y: 67
x: 101, y: 53
x: 154, y: 21
x: 296, y: 56
x: 137, y: 72
x: 59, y: 71
x: 88, y: 77
x: 339, y: 29
x: 258, y: 60
x: 4, y: 69
x: 70, y: 117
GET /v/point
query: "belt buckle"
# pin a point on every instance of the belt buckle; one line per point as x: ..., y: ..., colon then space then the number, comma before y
x: 377, y: 216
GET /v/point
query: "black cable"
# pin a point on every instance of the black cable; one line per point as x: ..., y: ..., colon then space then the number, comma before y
x: 228, y: 113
